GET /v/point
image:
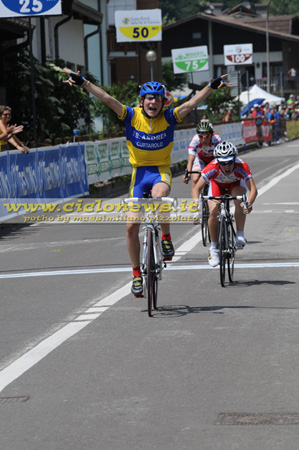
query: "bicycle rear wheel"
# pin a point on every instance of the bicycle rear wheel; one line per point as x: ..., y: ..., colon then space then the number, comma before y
x: 222, y: 249
x: 150, y: 281
x: 204, y: 222
x: 231, y: 254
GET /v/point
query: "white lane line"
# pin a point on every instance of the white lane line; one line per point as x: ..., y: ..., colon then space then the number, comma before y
x: 36, y: 354
x: 170, y: 266
x: 276, y: 180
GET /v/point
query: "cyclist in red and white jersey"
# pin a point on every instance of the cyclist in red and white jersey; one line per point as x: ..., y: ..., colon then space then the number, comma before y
x: 200, y: 151
x: 227, y: 171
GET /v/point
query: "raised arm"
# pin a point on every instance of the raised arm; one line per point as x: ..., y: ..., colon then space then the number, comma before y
x: 98, y: 92
x: 187, y: 107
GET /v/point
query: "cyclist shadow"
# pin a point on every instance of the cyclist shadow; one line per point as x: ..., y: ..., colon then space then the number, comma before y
x: 183, y: 310
x: 260, y: 283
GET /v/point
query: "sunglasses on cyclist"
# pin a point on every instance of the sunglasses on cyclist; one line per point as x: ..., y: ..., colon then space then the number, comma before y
x: 201, y: 135
x: 157, y: 97
x: 226, y: 163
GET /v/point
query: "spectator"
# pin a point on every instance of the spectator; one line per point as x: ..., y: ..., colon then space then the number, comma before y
x: 9, y: 133
x: 257, y: 114
x: 228, y: 117
x: 291, y: 99
x: 292, y: 72
x: 266, y: 110
x: 5, y: 114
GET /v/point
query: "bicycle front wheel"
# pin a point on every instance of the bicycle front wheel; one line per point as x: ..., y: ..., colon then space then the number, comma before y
x: 231, y: 253
x: 150, y: 281
x: 222, y: 249
x: 204, y: 222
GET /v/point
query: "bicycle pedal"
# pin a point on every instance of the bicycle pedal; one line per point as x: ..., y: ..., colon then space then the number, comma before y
x: 239, y: 247
x: 167, y: 258
x: 138, y: 295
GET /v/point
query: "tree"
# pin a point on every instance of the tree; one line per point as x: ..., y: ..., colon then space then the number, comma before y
x: 126, y: 94
x: 170, y: 80
x: 59, y: 108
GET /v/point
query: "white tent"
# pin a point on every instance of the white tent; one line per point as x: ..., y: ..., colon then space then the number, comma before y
x: 256, y: 92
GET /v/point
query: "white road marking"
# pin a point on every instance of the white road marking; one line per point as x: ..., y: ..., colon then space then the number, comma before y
x: 170, y: 266
x: 16, y: 368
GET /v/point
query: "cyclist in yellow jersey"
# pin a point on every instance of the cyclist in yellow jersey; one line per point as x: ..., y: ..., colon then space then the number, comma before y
x: 149, y: 134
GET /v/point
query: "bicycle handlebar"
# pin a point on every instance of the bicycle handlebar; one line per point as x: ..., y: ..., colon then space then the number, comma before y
x: 187, y: 172
x: 224, y: 197
x: 150, y: 200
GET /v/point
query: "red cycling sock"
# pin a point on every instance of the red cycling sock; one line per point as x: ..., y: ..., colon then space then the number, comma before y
x: 136, y: 271
x: 166, y: 237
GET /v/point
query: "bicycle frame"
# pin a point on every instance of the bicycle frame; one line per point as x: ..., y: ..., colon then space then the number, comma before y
x: 151, y: 275
x: 204, y: 210
x: 226, y: 233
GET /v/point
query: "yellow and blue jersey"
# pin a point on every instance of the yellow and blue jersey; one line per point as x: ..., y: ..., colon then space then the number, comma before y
x: 150, y: 141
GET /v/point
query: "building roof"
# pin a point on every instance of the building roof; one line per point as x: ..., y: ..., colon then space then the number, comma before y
x: 257, y: 24
x: 12, y: 28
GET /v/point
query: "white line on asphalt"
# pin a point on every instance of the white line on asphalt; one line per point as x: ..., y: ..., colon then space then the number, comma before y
x: 170, y: 266
x: 36, y: 354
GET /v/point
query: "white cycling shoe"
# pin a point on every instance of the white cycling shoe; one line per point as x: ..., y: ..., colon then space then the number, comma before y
x: 241, y: 241
x: 213, y: 257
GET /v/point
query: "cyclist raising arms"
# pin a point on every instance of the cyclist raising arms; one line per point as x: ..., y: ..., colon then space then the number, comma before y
x: 227, y: 171
x: 200, y: 152
x: 150, y: 134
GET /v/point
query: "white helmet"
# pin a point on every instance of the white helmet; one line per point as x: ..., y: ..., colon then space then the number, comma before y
x: 225, y: 150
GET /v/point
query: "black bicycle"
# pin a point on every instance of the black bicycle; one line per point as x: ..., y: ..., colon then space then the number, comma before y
x: 226, y: 234
x: 153, y: 261
x: 205, y: 214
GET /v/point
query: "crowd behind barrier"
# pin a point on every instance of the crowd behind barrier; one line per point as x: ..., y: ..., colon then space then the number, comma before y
x: 65, y: 171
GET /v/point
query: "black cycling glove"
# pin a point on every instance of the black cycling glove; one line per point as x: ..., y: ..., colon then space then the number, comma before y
x: 79, y: 80
x: 216, y: 83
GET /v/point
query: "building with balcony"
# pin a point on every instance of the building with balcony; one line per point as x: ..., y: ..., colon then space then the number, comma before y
x: 241, y: 25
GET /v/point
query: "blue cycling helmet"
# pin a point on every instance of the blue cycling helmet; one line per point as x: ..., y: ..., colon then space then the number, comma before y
x: 152, y: 87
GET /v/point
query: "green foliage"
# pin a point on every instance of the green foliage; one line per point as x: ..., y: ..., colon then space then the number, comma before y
x: 59, y: 108
x: 173, y: 10
x: 170, y: 80
x: 218, y: 102
x: 126, y: 94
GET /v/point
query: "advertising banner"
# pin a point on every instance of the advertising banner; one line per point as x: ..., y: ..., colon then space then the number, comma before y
x: 249, y: 131
x: 138, y: 25
x: 191, y: 59
x: 237, y: 55
x: 52, y: 173
x: 26, y: 8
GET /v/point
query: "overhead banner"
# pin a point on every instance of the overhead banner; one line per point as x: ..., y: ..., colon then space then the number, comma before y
x: 191, y: 59
x: 24, y: 8
x: 237, y: 55
x: 138, y: 25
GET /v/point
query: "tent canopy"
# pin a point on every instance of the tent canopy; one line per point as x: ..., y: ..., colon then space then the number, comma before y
x: 255, y: 93
x: 250, y: 105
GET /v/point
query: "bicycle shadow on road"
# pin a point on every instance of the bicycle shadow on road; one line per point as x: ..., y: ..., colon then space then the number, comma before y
x: 171, y: 311
x: 238, y: 284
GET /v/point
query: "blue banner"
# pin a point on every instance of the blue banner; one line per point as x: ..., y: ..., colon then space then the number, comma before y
x: 52, y: 173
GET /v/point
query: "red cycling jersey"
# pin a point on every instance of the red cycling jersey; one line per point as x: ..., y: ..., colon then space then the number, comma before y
x: 204, y: 152
x: 220, y: 181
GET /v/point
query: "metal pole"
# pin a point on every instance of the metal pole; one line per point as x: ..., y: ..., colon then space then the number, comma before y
x: 32, y: 85
x: 268, y: 48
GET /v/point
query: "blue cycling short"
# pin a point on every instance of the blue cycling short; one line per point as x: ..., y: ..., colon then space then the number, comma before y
x: 144, y: 178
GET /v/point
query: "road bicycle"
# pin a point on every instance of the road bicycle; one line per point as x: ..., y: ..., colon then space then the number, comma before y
x: 226, y: 234
x: 153, y: 262
x: 205, y: 214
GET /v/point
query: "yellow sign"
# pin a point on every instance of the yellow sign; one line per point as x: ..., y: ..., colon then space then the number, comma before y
x: 140, y: 33
x: 138, y: 25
